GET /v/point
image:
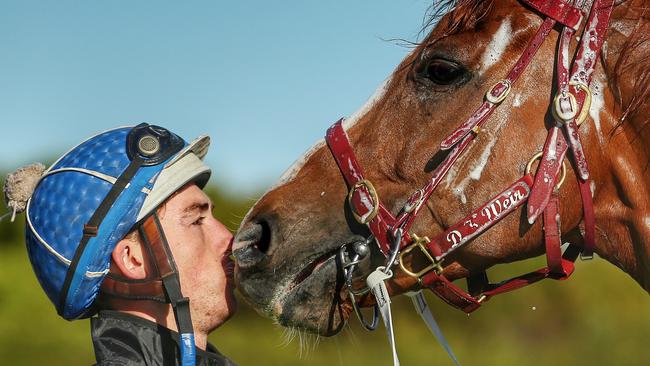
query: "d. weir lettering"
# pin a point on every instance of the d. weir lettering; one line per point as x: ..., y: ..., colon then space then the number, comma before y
x: 484, y: 217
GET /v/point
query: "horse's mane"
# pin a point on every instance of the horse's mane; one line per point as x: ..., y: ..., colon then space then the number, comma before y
x: 634, y: 59
x: 463, y: 14
x: 634, y: 62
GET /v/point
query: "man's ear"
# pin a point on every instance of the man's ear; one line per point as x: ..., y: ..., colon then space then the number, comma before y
x: 128, y: 257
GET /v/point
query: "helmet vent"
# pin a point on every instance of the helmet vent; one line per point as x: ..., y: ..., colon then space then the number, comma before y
x: 148, y: 145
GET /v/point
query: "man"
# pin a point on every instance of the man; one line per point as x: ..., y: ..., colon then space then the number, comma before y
x: 119, y: 229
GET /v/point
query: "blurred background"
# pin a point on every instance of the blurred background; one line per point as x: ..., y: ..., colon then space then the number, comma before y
x: 264, y: 80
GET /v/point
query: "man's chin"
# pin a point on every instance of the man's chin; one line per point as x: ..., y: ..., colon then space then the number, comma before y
x: 216, y: 318
x: 231, y: 304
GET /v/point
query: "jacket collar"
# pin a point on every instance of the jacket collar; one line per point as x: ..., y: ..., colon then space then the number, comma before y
x: 121, y: 336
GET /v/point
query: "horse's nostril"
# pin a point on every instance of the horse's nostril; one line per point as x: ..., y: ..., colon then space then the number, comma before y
x: 264, y: 242
x: 252, y: 243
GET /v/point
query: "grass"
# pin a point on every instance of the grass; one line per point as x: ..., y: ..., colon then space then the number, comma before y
x: 599, y: 317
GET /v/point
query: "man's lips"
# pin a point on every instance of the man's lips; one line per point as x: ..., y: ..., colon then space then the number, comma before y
x: 228, y: 266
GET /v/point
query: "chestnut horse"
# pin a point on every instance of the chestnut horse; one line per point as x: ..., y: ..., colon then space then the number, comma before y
x: 286, y: 249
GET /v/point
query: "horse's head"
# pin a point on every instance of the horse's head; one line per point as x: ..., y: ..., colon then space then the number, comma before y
x: 286, y: 247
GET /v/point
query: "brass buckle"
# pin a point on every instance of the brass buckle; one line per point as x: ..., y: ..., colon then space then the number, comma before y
x: 586, y: 106
x: 563, y: 117
x: 421, y: 244
x: 538, y: 156
x: 375, y: 202
x: 501, y: 97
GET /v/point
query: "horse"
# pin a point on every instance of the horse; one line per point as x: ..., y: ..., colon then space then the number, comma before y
x: 288, y: 248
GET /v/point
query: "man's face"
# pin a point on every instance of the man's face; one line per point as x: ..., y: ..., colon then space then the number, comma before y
x: 201, y: 247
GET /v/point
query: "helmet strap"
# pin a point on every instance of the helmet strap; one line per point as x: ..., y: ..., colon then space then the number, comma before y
x: 165, y: 287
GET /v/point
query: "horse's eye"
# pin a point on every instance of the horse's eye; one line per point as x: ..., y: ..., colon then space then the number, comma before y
x: 442, y: 72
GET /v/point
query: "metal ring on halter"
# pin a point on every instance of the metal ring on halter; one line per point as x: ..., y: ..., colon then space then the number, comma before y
x: 538, y: 156
x: 375, y: 314
x: 586, y: 106
x: 501, y: 97
x: 349, y: 267
x: 347, y: 273
x: 420, y: 243
x: 348, y: 270
x: 375, y: 202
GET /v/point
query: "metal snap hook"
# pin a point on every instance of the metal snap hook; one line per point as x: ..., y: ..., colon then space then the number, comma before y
x: 361, y: 249
x: 375, y: 314
x: 394, y: 251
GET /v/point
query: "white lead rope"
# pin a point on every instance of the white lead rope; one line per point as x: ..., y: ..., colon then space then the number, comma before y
x: 375, y: 282
x: 422, y: 308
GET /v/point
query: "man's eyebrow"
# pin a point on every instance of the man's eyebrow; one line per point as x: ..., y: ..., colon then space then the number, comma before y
x: 197, y: 206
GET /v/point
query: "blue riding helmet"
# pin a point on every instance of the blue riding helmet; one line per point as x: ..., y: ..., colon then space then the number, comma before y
x: 92, y: 196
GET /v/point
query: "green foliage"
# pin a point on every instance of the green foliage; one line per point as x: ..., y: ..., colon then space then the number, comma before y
x: 599, y: 317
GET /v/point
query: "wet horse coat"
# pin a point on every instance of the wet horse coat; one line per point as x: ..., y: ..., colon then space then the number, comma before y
x: 286, y: 247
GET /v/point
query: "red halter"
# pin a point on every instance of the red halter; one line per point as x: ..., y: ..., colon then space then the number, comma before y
x: 537, y: 190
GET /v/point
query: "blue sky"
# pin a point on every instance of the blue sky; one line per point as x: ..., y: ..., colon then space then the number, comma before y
x: 263, y: 78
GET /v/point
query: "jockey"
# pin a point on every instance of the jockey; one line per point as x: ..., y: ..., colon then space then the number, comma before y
x: 118, y: 229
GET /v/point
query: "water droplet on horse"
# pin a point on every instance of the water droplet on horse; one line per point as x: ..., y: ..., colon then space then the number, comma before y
x: 322, y: 193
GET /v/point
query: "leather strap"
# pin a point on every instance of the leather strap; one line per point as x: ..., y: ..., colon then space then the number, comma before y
x: 148, y: 289
x: 583, y: 68
x: 483, y: 218
x: 477, y: 283
x: 552, y: 236
x: 589, y: 219
x: 362, y: 200
x: 561, y: 11
x: 91, y: 229
x: 486, y: 109
x: 449, y: 293
x: 415, y: 203
x: 564, y: 97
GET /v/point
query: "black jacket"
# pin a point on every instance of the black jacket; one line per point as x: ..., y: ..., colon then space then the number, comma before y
x: 123, y: 339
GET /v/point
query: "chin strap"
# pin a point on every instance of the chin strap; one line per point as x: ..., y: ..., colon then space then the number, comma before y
x: 164, y: 287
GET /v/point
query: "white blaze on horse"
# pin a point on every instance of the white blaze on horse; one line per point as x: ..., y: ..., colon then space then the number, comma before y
x: 492, y: 86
